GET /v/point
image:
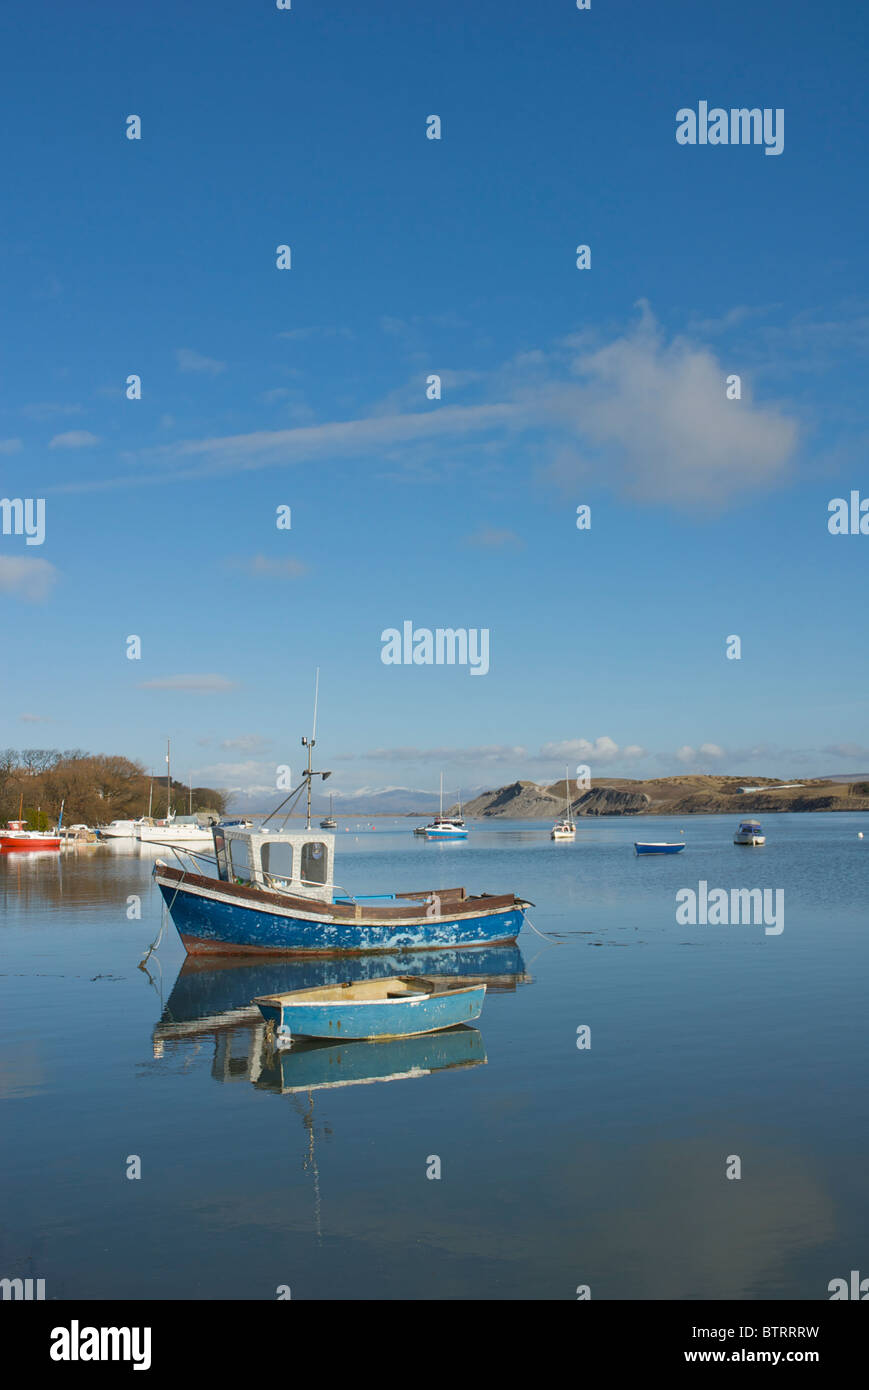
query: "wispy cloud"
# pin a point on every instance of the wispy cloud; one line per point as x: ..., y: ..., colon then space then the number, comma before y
x: 482, y: 753
x: 646, y: 415
x: 491, y: 538
x: 300, y: 334
x: 42, y: 410
x: 247, y: 743
x: 73, y: 439
x: 195, y: 685
x: 10, y: 446
x: 26, y: 577
x: 190, y: 361
x: 272, y: 567
x: 35, y: 719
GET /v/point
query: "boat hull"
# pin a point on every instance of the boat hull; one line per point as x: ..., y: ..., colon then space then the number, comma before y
x: 29, y: 842
x: 369, y: 1020
x: 658, y: 849
x: 218, y: 918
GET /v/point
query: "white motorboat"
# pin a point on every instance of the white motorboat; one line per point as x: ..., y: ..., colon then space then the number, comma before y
x: 750, y: 832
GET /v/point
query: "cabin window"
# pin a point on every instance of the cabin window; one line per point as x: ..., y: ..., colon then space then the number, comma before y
x: 277, y: 860
x: 240, y: 859
x: 221, y: 856
x: 313, y: 862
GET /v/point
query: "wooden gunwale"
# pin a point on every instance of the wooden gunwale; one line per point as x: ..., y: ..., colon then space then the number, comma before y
x: 456, y: 906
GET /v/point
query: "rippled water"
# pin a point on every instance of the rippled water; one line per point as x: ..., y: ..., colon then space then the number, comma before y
x: 560, y: 1166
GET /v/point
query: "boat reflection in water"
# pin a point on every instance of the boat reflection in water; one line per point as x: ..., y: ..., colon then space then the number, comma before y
x: 315, y: 1066
x: 212, y: 996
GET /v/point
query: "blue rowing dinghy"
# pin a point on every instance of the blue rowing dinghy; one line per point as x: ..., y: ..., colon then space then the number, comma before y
x: 657, y: 847
x: 399, y: 1006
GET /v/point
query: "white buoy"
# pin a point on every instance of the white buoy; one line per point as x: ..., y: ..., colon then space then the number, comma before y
x: 859, y: 834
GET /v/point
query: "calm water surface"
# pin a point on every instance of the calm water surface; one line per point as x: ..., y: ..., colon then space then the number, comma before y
x: 559, y: 1166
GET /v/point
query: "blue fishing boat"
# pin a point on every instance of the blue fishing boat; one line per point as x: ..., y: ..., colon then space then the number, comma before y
x: 274, y: 891
x: 657, y: 847
x: 399, y: 1006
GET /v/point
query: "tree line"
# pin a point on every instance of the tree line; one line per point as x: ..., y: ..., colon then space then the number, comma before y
x: 95, y: 787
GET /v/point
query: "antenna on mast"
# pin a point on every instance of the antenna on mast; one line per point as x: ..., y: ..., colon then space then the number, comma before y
x: 309, y: 773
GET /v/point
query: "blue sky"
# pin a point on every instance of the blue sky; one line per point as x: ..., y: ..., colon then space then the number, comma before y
x: 560, y: 386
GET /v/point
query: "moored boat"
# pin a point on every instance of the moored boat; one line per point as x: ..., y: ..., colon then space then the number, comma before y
x: 565, y: 828
x: 657, y: 847
x: 395, y: 1007
x: 16, y: 836
x: 274, y: 891
x: 329, y: 822
x: 750, y: 832
x: 446, y: 827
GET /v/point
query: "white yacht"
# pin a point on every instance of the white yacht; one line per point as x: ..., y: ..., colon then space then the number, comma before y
x: 564, y: 829
x: 121, y: 829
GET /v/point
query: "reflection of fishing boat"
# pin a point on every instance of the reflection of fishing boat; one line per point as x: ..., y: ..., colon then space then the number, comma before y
x: 657, y: 847
x: 275, y: 892
x: 315, y: 1066
x: 750, y: 832
x: 394, y: 1007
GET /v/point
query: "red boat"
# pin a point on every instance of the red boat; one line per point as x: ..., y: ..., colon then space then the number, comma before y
x: 16, y: 836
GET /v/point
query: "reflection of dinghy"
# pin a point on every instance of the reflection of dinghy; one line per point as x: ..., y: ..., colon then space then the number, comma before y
x: 657, y: 847
x: 312, y: 1066
x: 396, y: 1006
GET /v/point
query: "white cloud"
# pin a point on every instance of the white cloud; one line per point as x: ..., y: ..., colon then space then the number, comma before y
x: 602, y: 750
x: 658, y: 413
x: 73, y: 439
x: 10, y: 446
x: 26, y: 577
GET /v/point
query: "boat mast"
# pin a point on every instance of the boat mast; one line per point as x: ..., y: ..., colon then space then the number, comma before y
x: 441, y: 815
x: 168, y: 784
x: 567, y: 795
x: 190, y: 789
x: 309, y: 773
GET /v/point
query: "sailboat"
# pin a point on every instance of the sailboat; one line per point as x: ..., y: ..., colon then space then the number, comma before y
x: 329, y: 822
x: 447, y: 827
x: 184, y: 831
x: 564, y: 829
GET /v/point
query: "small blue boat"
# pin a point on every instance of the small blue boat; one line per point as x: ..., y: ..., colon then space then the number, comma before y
x: 399, y: 1006
x: 657, y: 847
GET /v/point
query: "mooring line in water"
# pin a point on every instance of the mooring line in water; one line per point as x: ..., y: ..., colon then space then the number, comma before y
x: 542, y: 935
x: 154, y: 944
